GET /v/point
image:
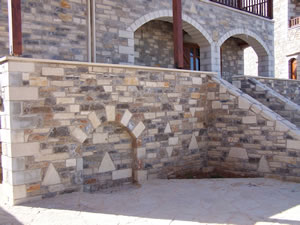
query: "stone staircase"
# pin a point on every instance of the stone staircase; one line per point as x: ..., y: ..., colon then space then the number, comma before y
x: 270, y: 98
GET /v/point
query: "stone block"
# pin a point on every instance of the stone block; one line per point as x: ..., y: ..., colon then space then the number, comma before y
x: 52, y: 71
x: 249, y: 120
x: 110, y: 113
x: 71, y: 162
x: 141, y: 153
x: 239, y: 153
x: 23, y: 149
x: 281, y: 127
x: 126, y: 118
x: 100, y: 138
x: 121, y: 174
x: 131, y: 81
x: 79, y: 164
x: 25, y: 67
x: 19, y: 191
x: 51, y: 177
x: 23, y: 93
x: 26, y: 177
x: 79, y: 135
x: 291, y: 144
x: 216, y: 105
x: 94, y: 120
x: 13, y: 164
x: 193, y: 144
x: 244, y: 103
x: 263, y: 166
x: 65, y: 101
x: 197, y: 80
x: 107, y: 164
x: 173, y: 140
x: 138, y: 130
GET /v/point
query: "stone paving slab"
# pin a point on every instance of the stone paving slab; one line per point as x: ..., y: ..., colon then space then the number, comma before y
x: 171, y: 202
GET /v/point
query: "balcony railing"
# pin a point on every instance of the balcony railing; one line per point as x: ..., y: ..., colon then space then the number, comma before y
x: 263, y: 8
x: 295, y: 22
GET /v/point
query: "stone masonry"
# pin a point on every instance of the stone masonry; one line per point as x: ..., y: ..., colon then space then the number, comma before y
x: 270, y: 98
x: 59, y: 30
x: 70, y: 126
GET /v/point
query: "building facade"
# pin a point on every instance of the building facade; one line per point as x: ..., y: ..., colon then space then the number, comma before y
x: 287, y: 38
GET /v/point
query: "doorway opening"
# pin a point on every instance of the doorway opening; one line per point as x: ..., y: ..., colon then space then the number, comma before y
x: 293, y: 69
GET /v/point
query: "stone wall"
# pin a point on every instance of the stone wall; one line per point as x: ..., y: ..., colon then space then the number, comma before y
x: 68, y: 126
x: 247, y: 138
x: 4, y: 45
x: 270, y: 98
x: 232, y: 59
x: 58, y: 29
x: 287, y: 88
x: 153, y: 44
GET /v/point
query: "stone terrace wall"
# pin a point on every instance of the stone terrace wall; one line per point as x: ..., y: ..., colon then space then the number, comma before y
x: 67, y: 126
x: 70, y: 126
x: 247, y: 138
x: 270, y: 98
x: 4, y: 48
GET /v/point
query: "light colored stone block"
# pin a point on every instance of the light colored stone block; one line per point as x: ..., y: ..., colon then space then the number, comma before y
x: 108, y: 88
x: 193, y: 144
x: 121, y: 174
x: 169, y: 151
x: 138, y: 130
x: 51, y: 177
x: 173, y: 140
x: 94, y: 120
x: 52, y: 71
x: 239, y: 153
x: 23, y: 149
x: 281, y: 126
x: 263, y: 166
x: 79, y: 135
x: 13, y: 164
x: 79, y: 164
x: 126, y: 118
x: 19, y: 192
x: 107, y: 164
x: 291, y: 144
x: 23, y: 93
x: 110, y: 113
x: 74, y: 108
x: 99, y: 138
x: 26, y: 177
x: 249, y: 120
x: 216, y: 105
x: 24, y: 67
x: 197, y: 80
x: 168, y: 129
x: 243, y: 103
x: 141, y: 153
x: 65, y: 100
x: 71, y: 163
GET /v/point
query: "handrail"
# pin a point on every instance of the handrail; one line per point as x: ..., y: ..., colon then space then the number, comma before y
x: 295, y: 21
x: 263, y: 8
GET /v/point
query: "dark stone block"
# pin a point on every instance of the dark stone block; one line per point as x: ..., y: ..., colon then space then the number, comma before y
x: 59, y: 132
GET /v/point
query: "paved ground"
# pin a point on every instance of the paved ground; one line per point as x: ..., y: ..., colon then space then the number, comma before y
x: 169, y: 202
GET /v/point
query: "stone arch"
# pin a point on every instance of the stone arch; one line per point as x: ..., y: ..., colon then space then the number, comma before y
x: 265, y: 57
x: 103, y: 161
x: 191, y: 26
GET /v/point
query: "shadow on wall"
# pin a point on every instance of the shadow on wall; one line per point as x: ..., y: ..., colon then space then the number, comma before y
x: 222, y: 201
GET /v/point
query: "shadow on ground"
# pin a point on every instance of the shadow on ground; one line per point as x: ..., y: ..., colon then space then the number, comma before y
x: 213, y: 201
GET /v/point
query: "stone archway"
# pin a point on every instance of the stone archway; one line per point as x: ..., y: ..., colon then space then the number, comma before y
x: 193, y: 28
x: 109, y: 156
x: 265, y: 57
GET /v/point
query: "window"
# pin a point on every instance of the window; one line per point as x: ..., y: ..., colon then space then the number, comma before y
x: 293, y: 69
x: 191, y: 56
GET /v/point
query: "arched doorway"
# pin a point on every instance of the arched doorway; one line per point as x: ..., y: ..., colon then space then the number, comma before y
x: 153, y: 41
x: 293, y: 69
x: 232, y: 60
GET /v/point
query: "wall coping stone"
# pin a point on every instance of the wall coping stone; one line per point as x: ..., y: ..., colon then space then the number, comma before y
x: 123, y: 66
x: 266, y: 78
